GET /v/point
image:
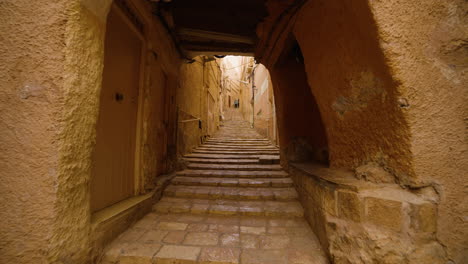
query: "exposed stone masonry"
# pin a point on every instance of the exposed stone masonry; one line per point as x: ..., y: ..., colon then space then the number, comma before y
x: 226, y: 207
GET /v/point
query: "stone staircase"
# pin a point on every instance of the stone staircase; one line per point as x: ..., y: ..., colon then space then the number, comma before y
x: 232, y: 204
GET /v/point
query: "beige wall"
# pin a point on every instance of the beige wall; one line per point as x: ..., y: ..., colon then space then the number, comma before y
x: 197, y: 99
x: 236, y: 84
x: 50, y: 86
x: 389, y: 80
x: 264, y: 106
x: 424, y: 48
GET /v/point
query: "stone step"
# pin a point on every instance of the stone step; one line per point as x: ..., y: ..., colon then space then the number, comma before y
x: 229, y: 207
x: 244, y: 167
x: 224, y: 152
x: 235, y: 144
x: 220, y: 156
x: 203, y: 147
x: 233, y: 182
x: 232, y: 193
x: 223, y: 161
x: 233, y: 174
x: 238, y: 140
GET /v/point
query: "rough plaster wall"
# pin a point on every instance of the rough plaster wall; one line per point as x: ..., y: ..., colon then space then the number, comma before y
x: 302, y: 132
x: 154, y: 146
x: 51, y: 71
x: 189, y: 92
x: 31, y: 95
x: 263, y: 106
x: 162, y: 64
x: 425, y: 43
x: 356, y: 95
x: 212, y: 83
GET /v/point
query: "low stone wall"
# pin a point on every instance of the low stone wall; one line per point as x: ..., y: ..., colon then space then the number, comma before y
x: 110, y: 222
x: 362, y: 222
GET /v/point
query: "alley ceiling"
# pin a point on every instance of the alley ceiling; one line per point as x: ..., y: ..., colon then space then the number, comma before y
x: 213, y: 26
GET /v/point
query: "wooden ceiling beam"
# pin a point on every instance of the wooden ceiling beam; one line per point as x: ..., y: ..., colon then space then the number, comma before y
x: 213, y: 36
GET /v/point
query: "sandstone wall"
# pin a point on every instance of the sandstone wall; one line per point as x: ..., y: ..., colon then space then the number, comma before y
x: 51, y: 78
x: 236, y: 71
x: 389, y: 80
x: 264, y: 112
x: 197, y: 100
x: 31, y: 121
x: 425, y: 44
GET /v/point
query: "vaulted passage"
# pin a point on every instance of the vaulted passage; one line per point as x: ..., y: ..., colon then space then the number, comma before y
x: 233, y: 132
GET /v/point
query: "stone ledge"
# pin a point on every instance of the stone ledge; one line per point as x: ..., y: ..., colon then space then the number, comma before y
x: 108, y: 223
x: 377, y: 212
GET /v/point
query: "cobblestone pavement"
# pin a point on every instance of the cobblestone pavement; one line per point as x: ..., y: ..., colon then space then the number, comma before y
x: 233, y: 204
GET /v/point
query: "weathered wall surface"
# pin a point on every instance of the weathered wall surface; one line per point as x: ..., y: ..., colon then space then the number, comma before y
x: 425, y: 44
x: 197, y: 100
x: 51, y: 77
x: 31, y: 89
x: 264, y: 108
x: 389, y: 82
x: 302, y: 136
x: 236, y: 72
x: 347, y: 73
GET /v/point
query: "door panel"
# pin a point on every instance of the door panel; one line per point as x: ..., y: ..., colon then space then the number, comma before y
x: 114, y: 157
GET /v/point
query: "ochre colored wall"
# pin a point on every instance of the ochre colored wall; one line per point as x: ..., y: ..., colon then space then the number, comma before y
x: 51, y: 77
x: 424, y: 43
x: 389, y: 78
x: 351, y: 82
x: 237, y: 85
x: 264, y: 105
x: 302, y: 132
x: 197, y: 98
x: 31, y: 127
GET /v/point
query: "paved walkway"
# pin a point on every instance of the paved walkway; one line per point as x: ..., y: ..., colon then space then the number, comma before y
x: 233, y: 204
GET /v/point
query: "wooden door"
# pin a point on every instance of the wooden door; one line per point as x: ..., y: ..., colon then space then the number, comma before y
x: 113, y: 169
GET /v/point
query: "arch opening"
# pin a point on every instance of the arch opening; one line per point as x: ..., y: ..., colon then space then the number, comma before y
x: 302, y: 132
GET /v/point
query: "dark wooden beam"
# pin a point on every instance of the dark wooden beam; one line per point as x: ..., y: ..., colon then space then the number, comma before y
x: 188, y: 33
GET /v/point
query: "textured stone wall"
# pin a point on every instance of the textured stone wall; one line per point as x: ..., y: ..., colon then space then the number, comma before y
x: 32, y: 125
x: 388, y: 77
x: 425, y: 44
x: 362, y: 222
x: 264, y: 109
x: 197, y: 100
x: 51, y: 76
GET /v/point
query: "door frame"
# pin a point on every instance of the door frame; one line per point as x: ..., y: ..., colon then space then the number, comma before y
x: 142, y: 35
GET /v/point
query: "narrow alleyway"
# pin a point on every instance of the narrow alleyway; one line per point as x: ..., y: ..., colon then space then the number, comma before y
x: 232, y: 204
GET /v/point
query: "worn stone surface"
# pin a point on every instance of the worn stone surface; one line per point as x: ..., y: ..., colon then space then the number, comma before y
x: 374, y: 173
x: 384, y: 213
x: 253, y: 222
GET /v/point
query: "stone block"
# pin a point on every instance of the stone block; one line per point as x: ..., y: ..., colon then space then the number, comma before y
x: 174, y: 237
x: 138, y: 253
x: 201, y: 238
x: 384, y: 213
x: 172, y: 226
x: 177, y: 254
x: 274, y: 241
x: 199, y: 208
x: 219, y: 255
x: 424, y: 217
x: 349, y: 206
x: 230, y: 240
x: 326, y: 199
x: 253, y: 230
x: 259, y: 256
